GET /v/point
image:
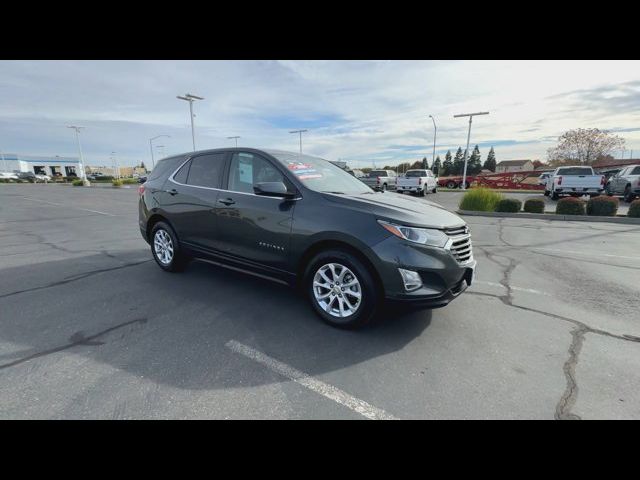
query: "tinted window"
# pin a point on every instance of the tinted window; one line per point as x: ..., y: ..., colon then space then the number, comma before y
x: 165, y: 167
x: 378, y: 173
x: 636, y: 171
x: 248, y: 169
x: 416, y: 173
x: 206, y: 170
x: 575, y: 171
x: 181, y: 176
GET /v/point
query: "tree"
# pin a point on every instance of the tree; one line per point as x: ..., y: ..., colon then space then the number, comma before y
x: 458, y: 162
x: 583, y: 146
x: 435, y: 168
x: 537, y: 164
x: 142, y: 166
x: 447, y: 166
x: 417, y: 165
x: 425, y: 163
x: 474, y: 164
x: 490, y: 162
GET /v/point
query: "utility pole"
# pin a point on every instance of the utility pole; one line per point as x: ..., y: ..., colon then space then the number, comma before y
x: 153, y: 163
x: 466, y: 152
x: 300, y: 132
x: 234, y: 138
x: 435, y: 130
x: 83, y: 176
x: 191, y: 98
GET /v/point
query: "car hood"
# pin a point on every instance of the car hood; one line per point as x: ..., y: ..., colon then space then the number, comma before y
x: 400, y: 209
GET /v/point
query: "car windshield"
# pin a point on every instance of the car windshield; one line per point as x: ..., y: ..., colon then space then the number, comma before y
x: 320, y: 175
x: 416, y: 173
x: 575, y: 171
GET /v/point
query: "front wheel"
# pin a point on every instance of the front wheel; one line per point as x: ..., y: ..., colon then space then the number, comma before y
x: 341, y: 289
x: 435, y: 190
x: 628, y: 196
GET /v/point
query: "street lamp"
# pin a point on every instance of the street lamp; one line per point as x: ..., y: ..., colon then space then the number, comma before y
x: 466, y: 152
x: 161, y: 147
x: 153, y: 163
x: 4, y: 162
x: 234, y: 138
x: 300, y: 132
x: 114, y: 165
x: 435, y: 130
x: 82, y: 174
x: 191, y: 98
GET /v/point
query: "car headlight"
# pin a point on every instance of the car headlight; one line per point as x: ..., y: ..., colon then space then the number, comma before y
x: 424, y: 236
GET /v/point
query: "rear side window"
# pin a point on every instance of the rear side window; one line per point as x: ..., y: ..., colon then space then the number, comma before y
x: 636, y: 171
x: 181, y: 176
x: 165, y: 167
x: 206, y: 170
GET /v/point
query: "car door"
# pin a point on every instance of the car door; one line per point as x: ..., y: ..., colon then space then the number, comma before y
x: 254, y: 228
x: 616, y: 181
x: 189, y: 199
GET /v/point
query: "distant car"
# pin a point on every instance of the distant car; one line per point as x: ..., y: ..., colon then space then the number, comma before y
x: 418, y: 181
x: 41, y: 177
x: 357, y: 173
x: 8, y: 176
x: 28, y: 176
x: 381, y: 180
x: 575, y: 181
x: 142, y: 179
x: 542, y: 179
x: 625, y: 183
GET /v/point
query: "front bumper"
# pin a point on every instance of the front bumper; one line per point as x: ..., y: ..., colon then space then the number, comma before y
x: 443, y: 277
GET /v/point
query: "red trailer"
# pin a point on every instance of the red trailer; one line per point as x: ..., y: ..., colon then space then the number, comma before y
x: 509, y: 180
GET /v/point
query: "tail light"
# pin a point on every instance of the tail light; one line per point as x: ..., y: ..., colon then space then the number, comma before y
x: 602, y: 180
x: 560, y: 180
x: 419, y: 180
x: 377, y: 179
x: 141, y: 189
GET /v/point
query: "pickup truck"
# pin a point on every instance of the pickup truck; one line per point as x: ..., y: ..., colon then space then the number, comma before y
x: 417, y: 181
x: 626, y: 183
x: 380, y: 180
x: 574, y: 181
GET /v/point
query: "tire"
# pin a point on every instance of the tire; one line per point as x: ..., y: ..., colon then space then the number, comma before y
x: 451, y: 184
x: 435, y: 190
x: 423, y: 193
x: 384, y: 187
x: 554, y: 196
x: 628, y: 195
x: 547, y: 193
x: 170, y: 258
x: 324, y: 264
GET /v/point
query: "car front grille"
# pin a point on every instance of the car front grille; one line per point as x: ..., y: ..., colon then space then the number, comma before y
x: 460, y: 244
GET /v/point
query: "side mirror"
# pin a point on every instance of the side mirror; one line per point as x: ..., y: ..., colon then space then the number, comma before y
x: 272, y: 189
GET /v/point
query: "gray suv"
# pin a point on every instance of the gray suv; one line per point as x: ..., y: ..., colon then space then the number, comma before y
x: 303, y: 221
x: 626, y: 183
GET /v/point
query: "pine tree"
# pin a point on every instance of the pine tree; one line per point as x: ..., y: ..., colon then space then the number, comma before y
x: 490, y: 162
x: 435, y: 168
x: 142, y: 166
x: 447, y: 166
x: 474, y: 164
x: 458, y: 162
x: 425, y: 163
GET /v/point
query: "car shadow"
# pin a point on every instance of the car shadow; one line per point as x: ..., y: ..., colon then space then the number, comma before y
x: 174, y: 328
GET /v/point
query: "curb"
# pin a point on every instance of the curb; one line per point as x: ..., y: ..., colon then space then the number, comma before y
x: 553, y: 217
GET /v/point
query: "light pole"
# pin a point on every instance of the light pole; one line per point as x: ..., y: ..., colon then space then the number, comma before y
x: 234, y: 138
x: 114, y: 165
x: 4, y: 162
x: 83, y: 176
x: 191, y: 98
x: 466, y: 152
x: 435, y: 130
x: 300, y: 132
x: 161, y: 147
x: 153, y: 163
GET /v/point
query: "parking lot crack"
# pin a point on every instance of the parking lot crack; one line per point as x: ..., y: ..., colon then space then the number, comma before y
x: 570, y: 395
x: 75, y: 340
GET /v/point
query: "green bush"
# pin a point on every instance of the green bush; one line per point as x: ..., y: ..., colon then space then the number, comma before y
x: 634, y: 209
x: 105, y: 179
x: 77, y: 183
x: 129, y: 181
x: 512, y: 205
x: 534, y: 205
x: 116, y: 183
x: 570, y: 206
x: 602, y: 206
x: 480, y: 200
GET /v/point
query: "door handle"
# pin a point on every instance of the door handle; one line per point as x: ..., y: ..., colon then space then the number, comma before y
x: 227, y: 201
x: 173, y: 191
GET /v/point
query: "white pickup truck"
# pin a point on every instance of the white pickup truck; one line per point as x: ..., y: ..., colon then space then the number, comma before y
x: 418, y: 181
x: 574, y: 181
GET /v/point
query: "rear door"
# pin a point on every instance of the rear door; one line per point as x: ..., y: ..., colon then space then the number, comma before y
x: 189, y: 199
x: 254, y: 228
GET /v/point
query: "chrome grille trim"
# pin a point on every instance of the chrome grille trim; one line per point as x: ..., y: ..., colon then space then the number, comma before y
x: 459, y: 244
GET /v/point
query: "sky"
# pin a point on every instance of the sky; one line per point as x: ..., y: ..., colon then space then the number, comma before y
x: 364, y: 112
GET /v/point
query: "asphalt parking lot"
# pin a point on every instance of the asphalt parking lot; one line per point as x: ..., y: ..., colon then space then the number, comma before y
x: 90, y: 327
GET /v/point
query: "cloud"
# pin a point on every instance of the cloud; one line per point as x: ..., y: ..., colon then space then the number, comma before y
x: 353, y: 109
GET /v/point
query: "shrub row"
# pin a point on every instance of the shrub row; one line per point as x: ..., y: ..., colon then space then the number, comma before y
x: 116, y: 183
x: 634, y: 209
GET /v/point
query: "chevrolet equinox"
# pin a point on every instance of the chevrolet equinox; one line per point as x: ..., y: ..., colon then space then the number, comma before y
x: 303, y: 221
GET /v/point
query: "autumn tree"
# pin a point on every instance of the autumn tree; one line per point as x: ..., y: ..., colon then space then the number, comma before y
x: 583, y: 146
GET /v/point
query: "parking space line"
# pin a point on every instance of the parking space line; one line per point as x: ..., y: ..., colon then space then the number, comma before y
x: 65, y: 206
x: 324, y: 389
x: 518, y: 289
x: 588, y: 254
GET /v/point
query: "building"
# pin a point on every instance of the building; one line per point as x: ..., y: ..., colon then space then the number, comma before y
x: 507, y: 166
x: 47, y: 165
x: 112, y: 172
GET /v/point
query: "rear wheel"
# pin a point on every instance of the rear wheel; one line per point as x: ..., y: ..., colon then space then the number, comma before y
x: 451, y: 184
x: 384, y: 187
x: 435, y: 189
x: 554, y: 196
x: 546, y: 193
x: 341, y: 289
x: 628, y: 195
x: 166, y: 249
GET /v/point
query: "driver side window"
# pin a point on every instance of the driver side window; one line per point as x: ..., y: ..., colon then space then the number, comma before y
x: 248, y: 169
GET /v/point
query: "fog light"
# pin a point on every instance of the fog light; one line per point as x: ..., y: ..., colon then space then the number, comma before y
x: 411, y: 279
